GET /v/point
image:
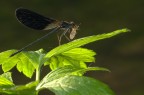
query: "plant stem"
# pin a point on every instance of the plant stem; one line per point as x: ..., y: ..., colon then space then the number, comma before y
x: 37, y: 74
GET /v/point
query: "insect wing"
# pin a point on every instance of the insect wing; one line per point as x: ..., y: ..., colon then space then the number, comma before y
x: 32, y: 19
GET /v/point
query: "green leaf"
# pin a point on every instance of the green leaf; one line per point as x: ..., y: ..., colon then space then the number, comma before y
x: 7, y: 62
x: 61, y: 61
x: 4, y: 55
x: 25, y: 62
x: 75, y: 57
x: 69, y: 70
x: 97, y: 69
x: 56, y: 61
x: 76, y: 85
x: 36, y: 57
x: 80, y: 54
x: 83, y: 41
x: 6, y: 80
x: 65, y: 71
x: 28, y: 89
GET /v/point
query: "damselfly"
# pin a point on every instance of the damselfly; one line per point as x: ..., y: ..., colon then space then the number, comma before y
x: 36, y: 21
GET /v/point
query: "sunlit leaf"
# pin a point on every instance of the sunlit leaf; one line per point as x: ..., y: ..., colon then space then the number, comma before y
x: 80, y: 54
x: 28, y: 89
x: 25, y: 62
x: 76, y: 85
x: 6, y: 80
x: 60, y: 61
x: 75, y: 57
x: 83, y: 41
x: 68, y: 70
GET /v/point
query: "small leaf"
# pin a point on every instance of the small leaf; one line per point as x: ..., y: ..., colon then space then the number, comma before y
x: 61, y: 61
x: 74, y: 57
x: 55, y: 62
x: 7, y: 62
x: 76, y: 85
x: 25, y: 62
x: 4, y: 56
x: 80, y: 54
x: 36, y: 57
x: 6, y: 80
x: 25, y: 66
x: 7, y: 75
x: 28, y: 89
x: 83, y: 41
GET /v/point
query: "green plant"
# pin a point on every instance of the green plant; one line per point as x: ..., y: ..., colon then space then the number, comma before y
x: 67, y: 63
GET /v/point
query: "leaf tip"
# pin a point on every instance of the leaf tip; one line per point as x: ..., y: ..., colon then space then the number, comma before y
x: 126, y: 30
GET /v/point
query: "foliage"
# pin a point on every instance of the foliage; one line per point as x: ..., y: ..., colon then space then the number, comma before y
x: 68, y: 63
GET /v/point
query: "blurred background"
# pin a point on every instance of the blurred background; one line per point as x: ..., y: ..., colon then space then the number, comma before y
x: 122, y: 54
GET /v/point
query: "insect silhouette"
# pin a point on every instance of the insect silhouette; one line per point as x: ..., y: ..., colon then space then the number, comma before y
x: 38, y: 22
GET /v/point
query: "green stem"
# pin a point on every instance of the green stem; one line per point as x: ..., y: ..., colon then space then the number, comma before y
x: 37, y: 74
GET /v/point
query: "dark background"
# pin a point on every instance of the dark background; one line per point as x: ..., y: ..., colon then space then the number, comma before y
x: 122, y: 54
